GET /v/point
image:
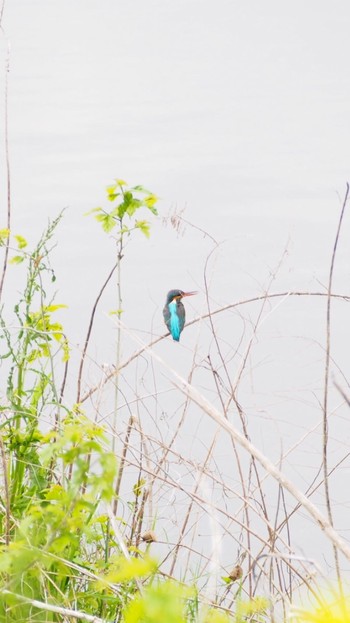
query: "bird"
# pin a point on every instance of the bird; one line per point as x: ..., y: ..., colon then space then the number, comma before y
x: 174, y: 312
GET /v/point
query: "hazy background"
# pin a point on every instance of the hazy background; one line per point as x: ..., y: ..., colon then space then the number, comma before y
x: 237, y: 113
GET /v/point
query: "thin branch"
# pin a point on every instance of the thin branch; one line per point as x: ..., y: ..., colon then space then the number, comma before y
x: 122, y: 464
x: 252, y: 450
x: 326, y: 382
x: 2, y: 12
x: 41, y: 605
x: 189, y: 509
x: 7, y: 493
x: 7, y: 157
x: 113, y: 372
x: 208, y: 408
x: 88, y: 335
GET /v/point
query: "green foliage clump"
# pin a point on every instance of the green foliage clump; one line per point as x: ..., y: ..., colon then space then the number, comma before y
x: 57, y: 547
x: 127, y: 201
x: 61, y: 554
x: 160, y: 602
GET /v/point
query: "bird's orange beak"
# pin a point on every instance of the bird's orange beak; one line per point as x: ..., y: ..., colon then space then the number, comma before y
x: 189, y: 293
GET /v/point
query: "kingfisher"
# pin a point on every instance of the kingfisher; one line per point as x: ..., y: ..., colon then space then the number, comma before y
x: 174, y: 312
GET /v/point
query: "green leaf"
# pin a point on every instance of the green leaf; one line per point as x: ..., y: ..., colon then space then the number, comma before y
x: 5, y: 561
x: 57, y: 331
x: 93, y: 211
x: 257, y: 605
x: 151, y: 200
x: 125, y: 570
x: 115, y: 212
x: 111, y: 193
x: 65, y: 351
x: 33, y: 355
x: 4, y: 234
x: 153, y: 210
x: 111, y: 189
x: 53, y: 308
x: 135, y: 205
x: 21, y: 242
x: 144, y: 227
x: 107, y: 221
x: 141, y: 189
x: 215, y: 616
x: 17, y: 259
x: 132, y: 204
x: 159, y: 603
x: 113, y: 196
x: 139, y: 486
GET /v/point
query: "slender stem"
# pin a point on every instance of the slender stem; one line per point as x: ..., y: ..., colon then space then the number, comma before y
x: 188, y: 390
x: 119, y: 335
x: 122, y: 464
x: 208, y: 408
x: 46, y: 607
x: 64, y: 380
x: 88, y: 335
x: 7, y: 494
x: 201, y: 473
x: 326, y: 385
x: 2, y: 12
x: 7, y: 246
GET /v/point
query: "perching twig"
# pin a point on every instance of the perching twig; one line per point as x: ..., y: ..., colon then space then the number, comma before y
x: 113, y: 372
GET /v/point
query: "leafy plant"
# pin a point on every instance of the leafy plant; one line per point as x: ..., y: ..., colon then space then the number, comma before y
x: 127, y: 202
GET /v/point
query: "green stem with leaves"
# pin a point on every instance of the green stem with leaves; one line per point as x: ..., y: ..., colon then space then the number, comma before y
x: 128, y: 201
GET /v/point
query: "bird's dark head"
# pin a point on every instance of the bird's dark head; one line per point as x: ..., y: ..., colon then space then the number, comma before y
x: 177, y: 295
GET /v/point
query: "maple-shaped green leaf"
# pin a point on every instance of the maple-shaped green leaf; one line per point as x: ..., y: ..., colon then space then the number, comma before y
x: 134, y: 205
x: 144, y: 226
x: 107, y: 221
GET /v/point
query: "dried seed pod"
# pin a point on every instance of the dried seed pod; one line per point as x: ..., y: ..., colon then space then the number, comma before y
x: 236, y: 573
x: 149, y: 536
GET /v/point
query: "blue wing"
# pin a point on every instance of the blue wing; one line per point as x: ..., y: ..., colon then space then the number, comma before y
x: 174, y: 318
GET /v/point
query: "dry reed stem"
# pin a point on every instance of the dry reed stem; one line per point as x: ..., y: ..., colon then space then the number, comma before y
x: 253, y: 451
x: 326, y: 381
x: 201, y: 502
x: 42, y: 605
x: 7, y: 159
x: 320, y: 519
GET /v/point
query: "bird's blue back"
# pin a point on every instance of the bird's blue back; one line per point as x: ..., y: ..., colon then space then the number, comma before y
x: 177, y: 319
x: 174, y: 317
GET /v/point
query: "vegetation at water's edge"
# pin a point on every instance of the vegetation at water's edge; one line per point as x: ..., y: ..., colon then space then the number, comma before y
x: 72, y: 548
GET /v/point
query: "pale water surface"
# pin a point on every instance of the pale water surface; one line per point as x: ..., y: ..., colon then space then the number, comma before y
x: 239, y: 113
